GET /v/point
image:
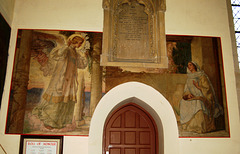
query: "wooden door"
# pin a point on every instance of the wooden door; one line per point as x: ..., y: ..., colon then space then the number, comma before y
x: 130, y: 130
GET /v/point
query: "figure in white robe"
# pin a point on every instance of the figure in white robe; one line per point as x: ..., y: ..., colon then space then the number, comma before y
x: 199, y: 106
x: 57, y: 104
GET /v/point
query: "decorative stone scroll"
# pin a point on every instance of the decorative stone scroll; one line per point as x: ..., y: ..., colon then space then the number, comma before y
x: 134, y: 33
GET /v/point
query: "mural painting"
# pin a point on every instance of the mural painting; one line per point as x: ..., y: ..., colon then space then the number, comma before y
x: 193, y: 84
x: 57, y: 82
x: 52, y: 80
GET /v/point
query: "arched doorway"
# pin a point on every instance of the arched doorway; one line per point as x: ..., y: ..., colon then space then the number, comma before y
x: 148, y: 98
x: 130, y: 130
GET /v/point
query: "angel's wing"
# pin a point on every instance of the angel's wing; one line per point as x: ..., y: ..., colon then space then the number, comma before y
x: 43, y: 45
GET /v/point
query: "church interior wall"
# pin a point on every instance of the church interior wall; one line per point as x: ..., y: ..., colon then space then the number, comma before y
x: 196, y: 18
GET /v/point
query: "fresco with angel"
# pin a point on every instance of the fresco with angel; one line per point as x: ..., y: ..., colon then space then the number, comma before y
x: 59, y: 81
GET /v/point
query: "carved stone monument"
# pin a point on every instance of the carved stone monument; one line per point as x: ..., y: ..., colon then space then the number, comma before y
x: 134, y: 33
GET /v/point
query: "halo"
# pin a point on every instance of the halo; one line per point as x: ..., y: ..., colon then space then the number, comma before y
x: 77, y: 35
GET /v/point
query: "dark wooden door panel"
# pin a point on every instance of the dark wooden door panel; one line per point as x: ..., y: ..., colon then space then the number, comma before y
x: 130, y: 130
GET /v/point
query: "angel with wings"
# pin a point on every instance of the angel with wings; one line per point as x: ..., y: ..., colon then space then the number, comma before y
x: 57, y: 102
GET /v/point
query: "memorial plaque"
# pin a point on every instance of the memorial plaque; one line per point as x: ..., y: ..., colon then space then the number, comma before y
x: 134, y: 33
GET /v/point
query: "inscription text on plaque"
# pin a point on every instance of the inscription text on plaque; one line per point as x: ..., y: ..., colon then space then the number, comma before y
x: 134, y: 33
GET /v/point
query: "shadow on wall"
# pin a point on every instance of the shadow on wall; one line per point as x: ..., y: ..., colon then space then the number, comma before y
x: 5, y: 32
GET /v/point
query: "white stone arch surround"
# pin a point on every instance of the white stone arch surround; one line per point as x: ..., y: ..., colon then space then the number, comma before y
x: 145, y: 96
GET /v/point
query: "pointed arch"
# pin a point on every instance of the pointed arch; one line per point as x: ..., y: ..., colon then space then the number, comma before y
x: 148, y: 98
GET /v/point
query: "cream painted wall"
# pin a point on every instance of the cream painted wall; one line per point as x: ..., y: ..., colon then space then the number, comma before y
x: 185, y: 17
x: 6, y: 9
